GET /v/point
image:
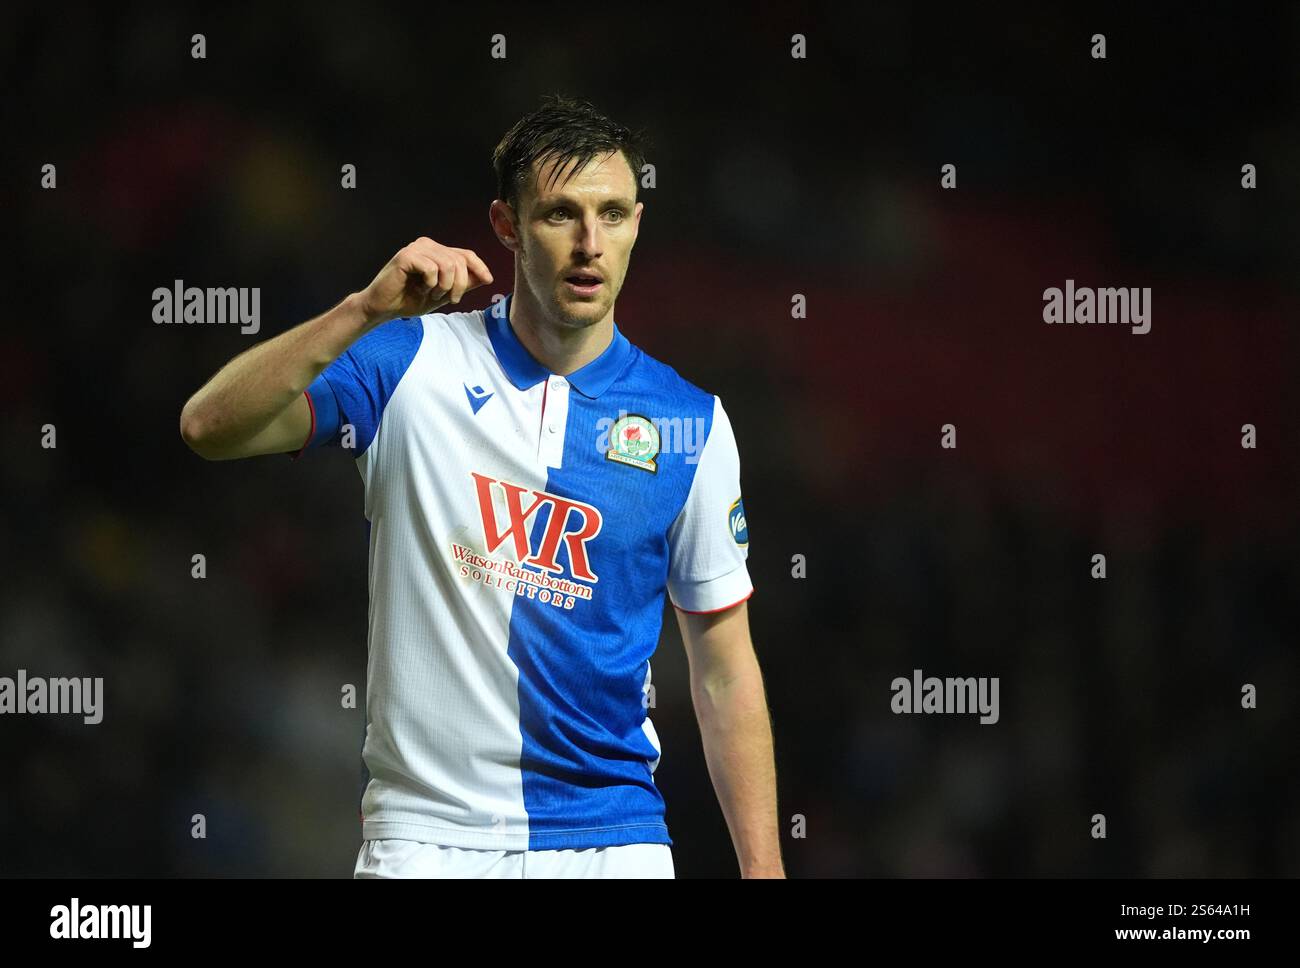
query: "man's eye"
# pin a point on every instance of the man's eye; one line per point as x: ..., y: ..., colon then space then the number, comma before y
x: 616, y: 213
x: 557, y: 211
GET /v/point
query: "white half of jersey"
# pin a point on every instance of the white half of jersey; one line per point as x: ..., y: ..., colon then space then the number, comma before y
x: 524, y: 530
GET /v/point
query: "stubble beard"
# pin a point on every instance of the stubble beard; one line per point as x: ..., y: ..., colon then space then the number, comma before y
x: 556, y: 307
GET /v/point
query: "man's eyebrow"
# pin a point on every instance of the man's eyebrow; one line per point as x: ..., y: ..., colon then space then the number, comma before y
x: 552, y: 200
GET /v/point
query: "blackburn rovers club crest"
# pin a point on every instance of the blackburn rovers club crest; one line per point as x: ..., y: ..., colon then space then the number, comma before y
x: 634, y: 440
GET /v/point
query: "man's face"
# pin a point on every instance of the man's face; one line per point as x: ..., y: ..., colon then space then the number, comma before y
x: 583, y: 224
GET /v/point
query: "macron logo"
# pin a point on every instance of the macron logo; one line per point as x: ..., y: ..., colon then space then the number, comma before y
x: 477, y: 396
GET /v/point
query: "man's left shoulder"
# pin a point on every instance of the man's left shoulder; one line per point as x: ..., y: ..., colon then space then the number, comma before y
x: 646, y: 374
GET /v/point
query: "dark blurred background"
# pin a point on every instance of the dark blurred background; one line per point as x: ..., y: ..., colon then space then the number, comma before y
x: 775, y: 176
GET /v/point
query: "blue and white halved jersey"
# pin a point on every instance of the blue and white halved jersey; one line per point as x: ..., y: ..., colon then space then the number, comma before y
x: 524, y: 529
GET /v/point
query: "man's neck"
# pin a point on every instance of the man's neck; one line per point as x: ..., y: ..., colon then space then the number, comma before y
x: 561, y: 349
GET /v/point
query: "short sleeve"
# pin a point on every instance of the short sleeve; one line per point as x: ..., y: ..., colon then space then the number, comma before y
x: 709, y: 541
x: 352, y: 392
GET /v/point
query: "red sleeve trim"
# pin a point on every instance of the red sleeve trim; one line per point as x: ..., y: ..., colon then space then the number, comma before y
x: 311, y: 433
x: 713, y: 611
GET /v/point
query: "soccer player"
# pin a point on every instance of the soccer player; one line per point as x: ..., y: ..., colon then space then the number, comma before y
x: 534, y: 485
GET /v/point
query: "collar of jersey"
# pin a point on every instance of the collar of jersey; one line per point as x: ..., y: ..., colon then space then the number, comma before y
x: 591, y: 380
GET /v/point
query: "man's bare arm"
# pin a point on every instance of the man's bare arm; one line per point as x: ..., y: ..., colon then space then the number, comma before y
x: 255, y: 405
x: 727, y: 690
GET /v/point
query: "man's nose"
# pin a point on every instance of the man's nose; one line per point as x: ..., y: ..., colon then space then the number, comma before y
x: 590, y: 242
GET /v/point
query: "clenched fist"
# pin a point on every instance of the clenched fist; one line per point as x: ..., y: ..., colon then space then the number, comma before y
x: 421, y: 277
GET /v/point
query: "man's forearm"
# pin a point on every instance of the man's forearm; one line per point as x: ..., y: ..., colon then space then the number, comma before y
x: 248, y: 392
x: 737, y: 735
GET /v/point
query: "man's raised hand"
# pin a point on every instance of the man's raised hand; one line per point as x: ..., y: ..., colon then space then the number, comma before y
x: 421, y: 277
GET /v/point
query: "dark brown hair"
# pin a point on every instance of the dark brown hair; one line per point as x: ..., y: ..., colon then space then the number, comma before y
x: 566, y: 128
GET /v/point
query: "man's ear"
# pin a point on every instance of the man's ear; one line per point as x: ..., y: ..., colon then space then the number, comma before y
x: 504, y: 224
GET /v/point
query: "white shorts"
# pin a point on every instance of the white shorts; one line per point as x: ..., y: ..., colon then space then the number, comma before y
x: 408, y: 858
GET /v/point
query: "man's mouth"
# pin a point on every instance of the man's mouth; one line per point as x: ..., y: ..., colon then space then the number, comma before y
x: 584, y: 283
